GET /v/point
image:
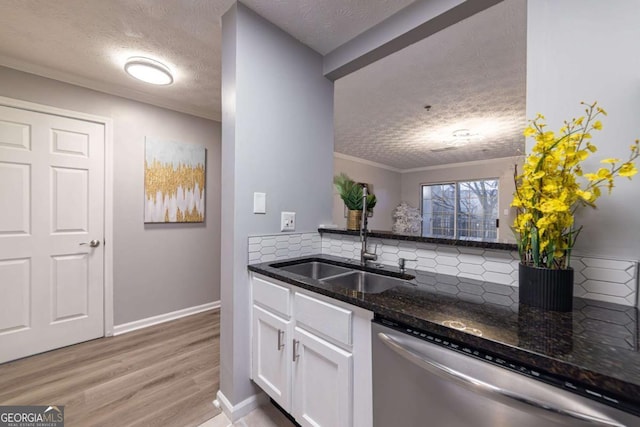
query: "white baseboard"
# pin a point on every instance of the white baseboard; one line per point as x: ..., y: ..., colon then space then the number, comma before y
x: 161, y: 318
x: 234, y: 413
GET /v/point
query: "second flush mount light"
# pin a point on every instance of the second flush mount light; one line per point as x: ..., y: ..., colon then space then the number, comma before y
x: 148, y: 70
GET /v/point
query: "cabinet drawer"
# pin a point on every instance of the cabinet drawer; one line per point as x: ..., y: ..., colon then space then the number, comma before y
x: 323, y: 318
x: 271, y: 296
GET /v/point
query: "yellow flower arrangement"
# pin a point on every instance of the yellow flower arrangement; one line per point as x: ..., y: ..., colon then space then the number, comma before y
x: 553, y: 185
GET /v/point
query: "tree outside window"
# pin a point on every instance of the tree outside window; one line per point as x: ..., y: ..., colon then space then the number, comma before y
x: 461, y: 210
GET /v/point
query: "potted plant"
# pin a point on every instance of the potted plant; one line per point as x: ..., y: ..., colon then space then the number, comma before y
x: 550, y: 189
x: 351, y: 194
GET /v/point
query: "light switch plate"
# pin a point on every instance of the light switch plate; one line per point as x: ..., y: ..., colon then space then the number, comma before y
x: 259, y: 203
x: 287, y: 221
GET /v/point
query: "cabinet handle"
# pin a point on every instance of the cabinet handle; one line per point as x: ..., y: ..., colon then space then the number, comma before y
x: 295, y: 348
x: 280, y: 339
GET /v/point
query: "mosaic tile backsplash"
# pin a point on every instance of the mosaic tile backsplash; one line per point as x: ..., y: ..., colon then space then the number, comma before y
x: 282, y: 246
x: 595, y: 278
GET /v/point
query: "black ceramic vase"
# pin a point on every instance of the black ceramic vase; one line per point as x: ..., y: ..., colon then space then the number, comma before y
x: 545, y: 288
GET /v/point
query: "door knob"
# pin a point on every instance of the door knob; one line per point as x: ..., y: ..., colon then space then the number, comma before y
x: 93, y: 243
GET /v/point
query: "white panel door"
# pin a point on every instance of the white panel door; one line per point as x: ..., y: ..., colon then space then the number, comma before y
x: 271, y: 358
x: 51, y: 207
x: 322, y: 382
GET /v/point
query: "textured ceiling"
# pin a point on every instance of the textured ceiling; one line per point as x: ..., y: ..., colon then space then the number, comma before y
x: 326, y: 24
x: 473, y: 76
x: 86, y: 42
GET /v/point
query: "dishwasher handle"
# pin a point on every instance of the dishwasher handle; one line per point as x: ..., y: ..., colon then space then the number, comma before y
x: 508, y: 397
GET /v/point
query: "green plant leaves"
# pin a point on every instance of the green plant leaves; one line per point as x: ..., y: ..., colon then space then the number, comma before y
x: 535, y: 246
x: 351, y: 193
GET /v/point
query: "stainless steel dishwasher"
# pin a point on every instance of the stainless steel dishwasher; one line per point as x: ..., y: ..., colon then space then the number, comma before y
x: 420, y: 379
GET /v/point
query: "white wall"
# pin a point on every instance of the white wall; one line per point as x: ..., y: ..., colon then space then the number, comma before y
x: 277, y: 138
x: 588, y: 50
x: 157, y: 268
x: 386, y: 187
x: 502, y: 169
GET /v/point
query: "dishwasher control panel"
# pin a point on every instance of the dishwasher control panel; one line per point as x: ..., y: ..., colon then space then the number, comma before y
x: 552, y: 379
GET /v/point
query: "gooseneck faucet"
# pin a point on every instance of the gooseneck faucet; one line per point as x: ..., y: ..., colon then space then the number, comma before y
x: 364, y: 255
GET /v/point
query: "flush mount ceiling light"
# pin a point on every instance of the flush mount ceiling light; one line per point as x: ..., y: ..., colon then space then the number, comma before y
x: 464, y: 136
x: 148, y: 70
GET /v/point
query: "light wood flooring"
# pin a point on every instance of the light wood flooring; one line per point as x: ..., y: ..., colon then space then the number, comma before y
x: 163, y: 375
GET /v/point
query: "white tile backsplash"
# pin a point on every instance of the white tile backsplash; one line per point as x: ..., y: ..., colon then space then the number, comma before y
x: 282, y: 246
x: 595, y: 278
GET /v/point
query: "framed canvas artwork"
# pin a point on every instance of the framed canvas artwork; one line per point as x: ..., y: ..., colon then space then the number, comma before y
x: 174, y: 182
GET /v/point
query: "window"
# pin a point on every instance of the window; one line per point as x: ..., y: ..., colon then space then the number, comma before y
x: 461, y: 210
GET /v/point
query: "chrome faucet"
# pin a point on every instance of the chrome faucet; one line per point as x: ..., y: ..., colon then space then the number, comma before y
x: 401, y: 264
x: 364, y: 255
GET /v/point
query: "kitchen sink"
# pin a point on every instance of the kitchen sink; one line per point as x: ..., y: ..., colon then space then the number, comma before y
x: 344, y: 277
x: 315, y: 270
x: 362, y: 281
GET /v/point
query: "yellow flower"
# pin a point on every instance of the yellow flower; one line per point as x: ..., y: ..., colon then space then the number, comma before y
x: 553, y: 205
x: 538, y: 175
x: 604, y: 173
x: 582, y: 154
x: 548, y: 136
x: 584, y: 195
x: 610, y: 160
x: 628, y: 169
x: 543, y: 223
x: 549, y: 190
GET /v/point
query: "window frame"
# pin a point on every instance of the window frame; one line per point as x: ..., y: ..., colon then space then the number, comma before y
x: 456, y: 183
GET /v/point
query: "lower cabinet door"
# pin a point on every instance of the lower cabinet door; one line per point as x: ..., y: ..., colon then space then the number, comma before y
x: 271, y: 358
x: 322, y: 380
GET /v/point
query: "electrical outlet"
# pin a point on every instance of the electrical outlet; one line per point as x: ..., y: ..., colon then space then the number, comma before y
x: 287, y: 221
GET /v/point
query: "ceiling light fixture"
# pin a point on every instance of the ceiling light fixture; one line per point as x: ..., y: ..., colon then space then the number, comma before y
x: 465, y: 134
x: 148, y: 70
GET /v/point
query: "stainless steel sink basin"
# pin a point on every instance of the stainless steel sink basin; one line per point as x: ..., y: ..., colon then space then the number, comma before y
x: 315, y: 270
x: 368, y: 283
x: 344, y: 277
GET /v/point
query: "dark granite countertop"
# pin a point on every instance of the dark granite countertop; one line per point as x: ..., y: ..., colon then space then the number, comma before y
x: 595, y: 346
x: 434, y: 240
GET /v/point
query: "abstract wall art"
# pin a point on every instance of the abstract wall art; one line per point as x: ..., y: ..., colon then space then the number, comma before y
x: 174, y: 182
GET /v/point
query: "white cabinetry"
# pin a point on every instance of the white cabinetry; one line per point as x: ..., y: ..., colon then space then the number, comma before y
x: 308, y: 351
x: 271, y: 364
x: 322, y: 381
